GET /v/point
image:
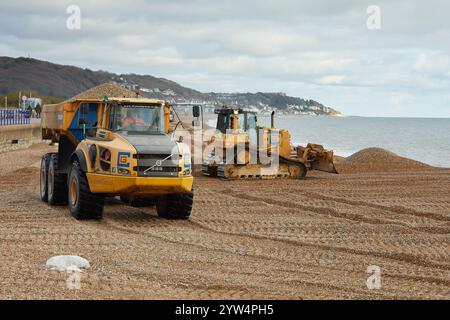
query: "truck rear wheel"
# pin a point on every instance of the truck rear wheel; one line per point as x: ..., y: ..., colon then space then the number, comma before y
x: 175, y: 206
x: 82, y: 203
x: 56, y: 183
x: 44, y: 176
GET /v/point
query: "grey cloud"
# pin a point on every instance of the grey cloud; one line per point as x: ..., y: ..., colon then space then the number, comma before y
x: 315, y: 49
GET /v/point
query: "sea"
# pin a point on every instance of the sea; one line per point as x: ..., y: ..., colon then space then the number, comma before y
x: 423, y: 139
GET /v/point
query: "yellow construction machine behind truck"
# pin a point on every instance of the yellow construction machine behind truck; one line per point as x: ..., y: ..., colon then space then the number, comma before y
x: 244, y: 150
x: 114, y: 147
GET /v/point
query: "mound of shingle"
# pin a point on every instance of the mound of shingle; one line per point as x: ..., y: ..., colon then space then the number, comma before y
x: 378, y: 160
x: 106, y: 89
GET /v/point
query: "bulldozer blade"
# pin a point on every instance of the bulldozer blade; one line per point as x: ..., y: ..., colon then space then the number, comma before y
x: 324, y: 162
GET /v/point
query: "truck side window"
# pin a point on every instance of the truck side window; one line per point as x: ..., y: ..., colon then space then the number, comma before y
x: 88, y: 114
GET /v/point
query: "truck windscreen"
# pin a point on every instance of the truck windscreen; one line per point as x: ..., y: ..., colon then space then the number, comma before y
x: 142, y: 119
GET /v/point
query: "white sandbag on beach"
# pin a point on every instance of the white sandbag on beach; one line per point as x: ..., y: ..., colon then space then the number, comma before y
x: 67, y: 262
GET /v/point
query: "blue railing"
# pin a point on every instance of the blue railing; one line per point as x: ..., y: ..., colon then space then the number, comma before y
x: 13, y: 116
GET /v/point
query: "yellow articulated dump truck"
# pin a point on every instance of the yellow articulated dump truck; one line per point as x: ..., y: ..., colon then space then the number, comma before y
x: 115, y: 147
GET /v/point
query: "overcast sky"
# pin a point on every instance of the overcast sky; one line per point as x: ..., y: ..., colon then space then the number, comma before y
x: 321, y: 50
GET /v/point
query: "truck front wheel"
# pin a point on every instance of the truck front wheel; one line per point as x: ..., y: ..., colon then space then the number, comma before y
x: 82, y: 203
x: 175, y: 206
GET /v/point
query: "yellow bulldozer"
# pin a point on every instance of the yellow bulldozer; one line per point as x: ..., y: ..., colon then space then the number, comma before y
x: 114, y: 147
x: 241, y: 149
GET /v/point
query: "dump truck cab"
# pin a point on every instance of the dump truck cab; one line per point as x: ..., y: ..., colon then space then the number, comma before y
x: 115, y: 147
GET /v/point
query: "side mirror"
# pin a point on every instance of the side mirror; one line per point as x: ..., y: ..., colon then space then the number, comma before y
x: 196, y: 111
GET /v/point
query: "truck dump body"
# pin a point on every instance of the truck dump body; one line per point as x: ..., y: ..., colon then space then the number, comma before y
x: 51, y: 119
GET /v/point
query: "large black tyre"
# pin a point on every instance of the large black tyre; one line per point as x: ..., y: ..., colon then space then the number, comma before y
x: 43, y: 192
x: 56, y: 183
x: 83, y: 204
x: 175, y: 206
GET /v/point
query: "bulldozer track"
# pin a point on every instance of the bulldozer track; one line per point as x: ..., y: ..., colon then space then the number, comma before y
x: 222, y: 168
x: 223, y: 245
x: 339, y: 214
x: 395, y: 209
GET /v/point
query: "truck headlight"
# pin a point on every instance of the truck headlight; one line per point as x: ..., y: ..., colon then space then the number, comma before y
x: 123, y: 171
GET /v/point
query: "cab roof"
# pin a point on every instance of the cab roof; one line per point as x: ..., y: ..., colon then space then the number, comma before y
x: 119, y: 100
x: 228, y: 111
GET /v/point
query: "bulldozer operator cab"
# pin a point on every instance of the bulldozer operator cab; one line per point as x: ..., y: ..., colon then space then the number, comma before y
x: 236, y: 120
